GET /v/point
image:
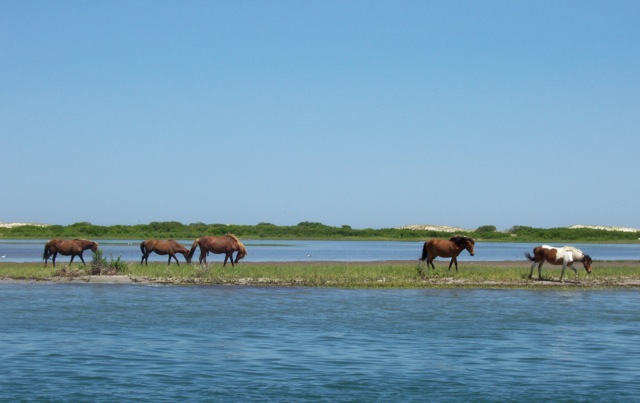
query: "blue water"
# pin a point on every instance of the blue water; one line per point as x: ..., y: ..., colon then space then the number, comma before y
x: 304, y: 250
x: 92, y: 342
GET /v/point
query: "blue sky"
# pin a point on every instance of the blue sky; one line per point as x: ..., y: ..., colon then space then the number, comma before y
x: 372, y: 114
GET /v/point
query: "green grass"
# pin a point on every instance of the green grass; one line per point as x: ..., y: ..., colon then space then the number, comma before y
x: 349, y: 275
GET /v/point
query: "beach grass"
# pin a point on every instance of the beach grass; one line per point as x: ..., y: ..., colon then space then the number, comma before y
x: 393, y: 274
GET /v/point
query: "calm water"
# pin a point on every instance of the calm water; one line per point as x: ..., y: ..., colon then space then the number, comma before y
x: 91, y: 342
x: 284, y: 251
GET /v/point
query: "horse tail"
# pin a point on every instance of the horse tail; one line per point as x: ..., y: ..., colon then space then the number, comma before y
x: 528, y: 256
x: 425, y: 253
x: 143, y: 248
x: 193, y: 248
x: 45, y: 255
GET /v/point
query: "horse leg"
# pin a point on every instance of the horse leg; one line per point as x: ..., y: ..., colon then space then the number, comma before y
x: 575, y: 271
x: 71, y: 261
x: 564, y: 266
x: 430, y: 263
x: 540, y: 270
x: 533, y: 265
x: 176, y: 259
x: 453, y: 260
x: 53, y: 259
x: 203, y: 256
x: 226, y: 257
x: 81, y: 258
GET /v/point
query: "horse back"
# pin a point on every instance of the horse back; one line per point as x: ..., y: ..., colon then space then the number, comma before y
x: 547, y: 253
x: 442, y: 247
x: 68, y: 247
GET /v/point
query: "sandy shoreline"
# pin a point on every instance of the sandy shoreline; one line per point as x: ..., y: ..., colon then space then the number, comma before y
x: 448, y: 281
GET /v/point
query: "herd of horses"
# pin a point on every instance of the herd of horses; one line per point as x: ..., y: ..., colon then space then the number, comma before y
x: 227, y: 244
x: 230, y: 244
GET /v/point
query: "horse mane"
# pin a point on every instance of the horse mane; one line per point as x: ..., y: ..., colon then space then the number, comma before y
x: 84, y: 240
x: 576, y: 251
x: 242, y: 251
x: 459, y: 239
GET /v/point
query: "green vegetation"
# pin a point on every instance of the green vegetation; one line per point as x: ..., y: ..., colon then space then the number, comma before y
x: 100, y: 266
x: 345, y: 275
x: 309, y: 230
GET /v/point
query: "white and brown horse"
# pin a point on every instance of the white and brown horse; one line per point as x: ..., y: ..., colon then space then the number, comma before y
x: 564, y: 256
x: 169, y: 247
x: 227, y: 244
x: 446, y: 248
x: 73, y: 247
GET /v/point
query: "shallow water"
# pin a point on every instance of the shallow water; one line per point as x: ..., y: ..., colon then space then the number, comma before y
x: 88, y: 342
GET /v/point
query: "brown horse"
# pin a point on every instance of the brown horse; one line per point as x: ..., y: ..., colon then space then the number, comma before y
x: 169, y: 247
x: 564, y: 256
x: 447, y: 248
x: 219, y: 244
x: 74, y: 247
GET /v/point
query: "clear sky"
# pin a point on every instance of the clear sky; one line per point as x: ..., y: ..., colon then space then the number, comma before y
x: 371, y: 114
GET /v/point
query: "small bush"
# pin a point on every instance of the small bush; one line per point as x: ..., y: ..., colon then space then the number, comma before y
x: 100, y: 266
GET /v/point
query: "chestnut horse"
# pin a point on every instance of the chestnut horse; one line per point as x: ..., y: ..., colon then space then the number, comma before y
x: 446, y: 248
x: 564, y: 256
x: 169, y: 247
x: 219, y: 244
x: 74, y: 247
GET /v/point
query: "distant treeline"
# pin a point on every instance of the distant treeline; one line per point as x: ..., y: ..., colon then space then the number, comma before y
x: 309, y: 230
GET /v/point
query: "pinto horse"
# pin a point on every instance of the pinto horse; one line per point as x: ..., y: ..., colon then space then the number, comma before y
x: 446, y: 248
x: 169, y: 247
x: 564, y: 256
x: 74, y: 247
x: 227, y: 244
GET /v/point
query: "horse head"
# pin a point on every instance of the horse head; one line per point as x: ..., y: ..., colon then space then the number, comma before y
x: 464, y: 242
x: 242, y: 252
x: 586, y: 261
x: 94, y: 246
x: 470, y: 245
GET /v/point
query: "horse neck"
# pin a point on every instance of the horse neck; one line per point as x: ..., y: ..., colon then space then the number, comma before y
x: 458, y: 247
x: 85, y: 244
x: 578, y: 256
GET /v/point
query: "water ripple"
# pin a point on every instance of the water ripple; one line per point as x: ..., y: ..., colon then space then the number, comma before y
x: 135, y: 343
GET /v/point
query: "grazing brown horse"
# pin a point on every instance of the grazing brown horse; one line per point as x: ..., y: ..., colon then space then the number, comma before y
x: 219, y: 244
x: 447, y: 248
x: 169, y: 247
x: 73, y: 247
x: 564, y: 256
